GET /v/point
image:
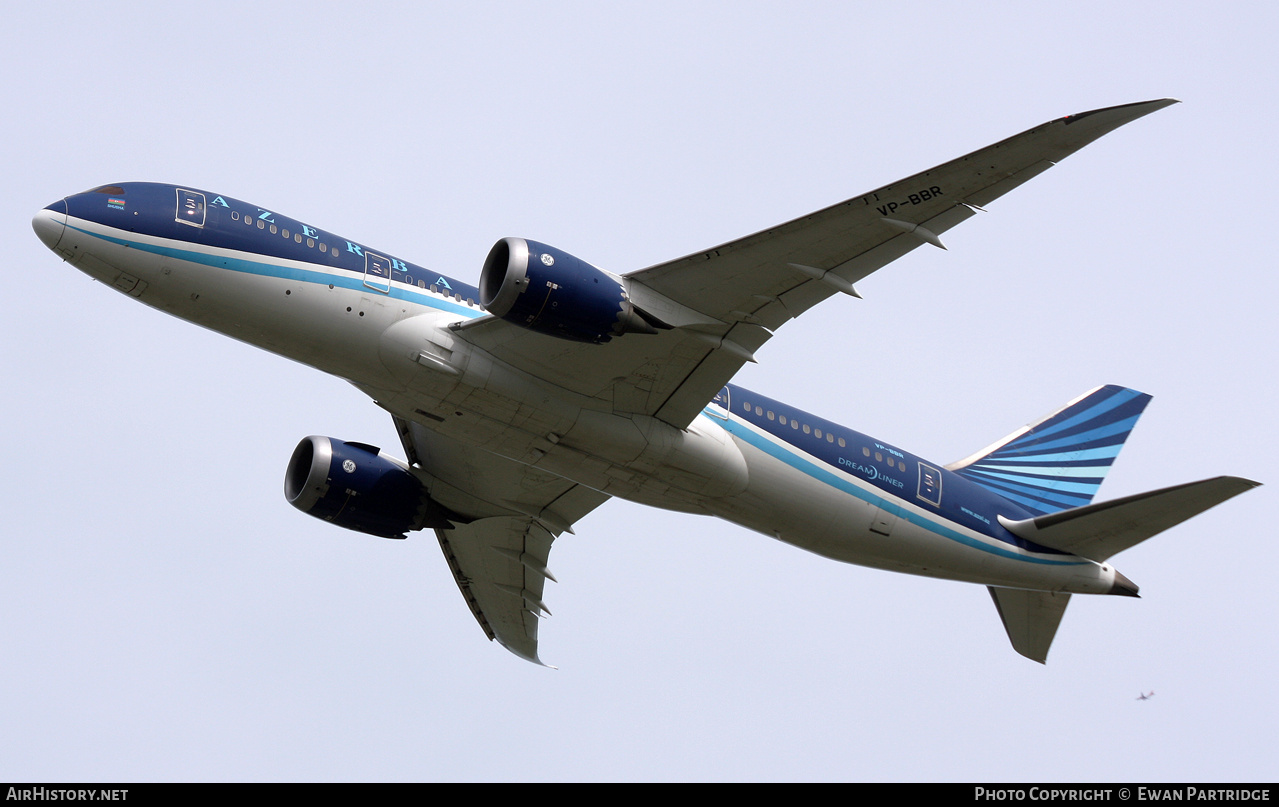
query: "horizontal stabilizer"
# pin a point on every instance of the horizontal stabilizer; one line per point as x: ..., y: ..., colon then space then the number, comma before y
x: 1098, y: 531
x: 1030, y: 618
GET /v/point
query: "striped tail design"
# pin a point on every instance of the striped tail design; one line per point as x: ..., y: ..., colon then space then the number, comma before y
x: 1059, y: 462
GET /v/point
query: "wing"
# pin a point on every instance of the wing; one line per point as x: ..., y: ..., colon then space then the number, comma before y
x: 724, y: 303
x: 509, y: 515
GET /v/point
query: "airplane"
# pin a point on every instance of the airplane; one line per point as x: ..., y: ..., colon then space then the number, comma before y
x: 1144, y: 696
x: 527, y: 401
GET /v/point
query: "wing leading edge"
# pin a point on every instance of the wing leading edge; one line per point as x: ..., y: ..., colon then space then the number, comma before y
x: 726, y: 302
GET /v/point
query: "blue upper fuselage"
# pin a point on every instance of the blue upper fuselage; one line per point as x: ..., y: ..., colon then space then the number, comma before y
x: 274, y: 244
x: 199, y: 217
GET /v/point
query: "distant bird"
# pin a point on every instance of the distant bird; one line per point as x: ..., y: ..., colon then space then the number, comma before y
x: 1144, y: 697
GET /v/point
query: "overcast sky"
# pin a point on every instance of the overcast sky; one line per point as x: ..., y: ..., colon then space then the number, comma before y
x: 167, y: 615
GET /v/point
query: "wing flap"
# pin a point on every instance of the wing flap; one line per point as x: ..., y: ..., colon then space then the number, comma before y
x: 500, y: 565
x: 734, y: 349
x: 877, y: 257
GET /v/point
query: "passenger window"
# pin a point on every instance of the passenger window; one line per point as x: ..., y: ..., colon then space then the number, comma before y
x: 274, y: 229
x: 285, y: 233
x: 842, y: 444
x: 261, y: 225
x: 770, y: 414
x: 297, y: 238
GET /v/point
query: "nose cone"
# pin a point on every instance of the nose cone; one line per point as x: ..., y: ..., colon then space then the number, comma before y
x: 50, y: 223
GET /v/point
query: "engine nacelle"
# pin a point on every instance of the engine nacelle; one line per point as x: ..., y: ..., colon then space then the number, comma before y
x: 549, y: 291
x: 354, y: 486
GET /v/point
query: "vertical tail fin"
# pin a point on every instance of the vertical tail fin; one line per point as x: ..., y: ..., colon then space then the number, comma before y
x: 1030, y: 618
x: 1060, y: 461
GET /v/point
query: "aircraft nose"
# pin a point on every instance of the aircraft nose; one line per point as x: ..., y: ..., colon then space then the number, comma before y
x: 50, y: 223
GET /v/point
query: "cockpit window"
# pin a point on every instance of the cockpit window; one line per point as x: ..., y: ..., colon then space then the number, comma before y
x: 190, y: 208
x: 113, y: 190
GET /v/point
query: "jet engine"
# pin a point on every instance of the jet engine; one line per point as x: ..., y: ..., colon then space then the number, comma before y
x: 549, y: 291
x: 355, y: 486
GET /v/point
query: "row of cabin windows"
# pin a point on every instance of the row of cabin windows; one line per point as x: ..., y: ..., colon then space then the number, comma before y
x: 795, y: 424
x: 879, y: 457
x: 816, y: 432
x: 297, y: 237
x: 446, y: 292
x: 310, y: 242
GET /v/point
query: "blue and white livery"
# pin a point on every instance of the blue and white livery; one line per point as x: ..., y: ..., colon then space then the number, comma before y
x: 527, y: 401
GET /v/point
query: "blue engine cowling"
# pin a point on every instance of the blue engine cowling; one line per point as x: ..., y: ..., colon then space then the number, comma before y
x: 549, y: 291
x: 354, y: 486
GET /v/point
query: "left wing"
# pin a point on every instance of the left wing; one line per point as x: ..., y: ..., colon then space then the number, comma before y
x: 499, y: 564
x: 509, y: 514
x: 724, y: 303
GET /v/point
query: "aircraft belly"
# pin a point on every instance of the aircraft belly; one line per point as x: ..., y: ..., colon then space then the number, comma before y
x: 493, y: 407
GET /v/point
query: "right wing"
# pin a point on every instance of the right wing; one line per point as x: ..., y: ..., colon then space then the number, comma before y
x: 725, y: 302
x: 509, y: 514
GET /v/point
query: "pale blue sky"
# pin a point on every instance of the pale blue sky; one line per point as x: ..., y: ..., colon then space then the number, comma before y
x: 169, y: 616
